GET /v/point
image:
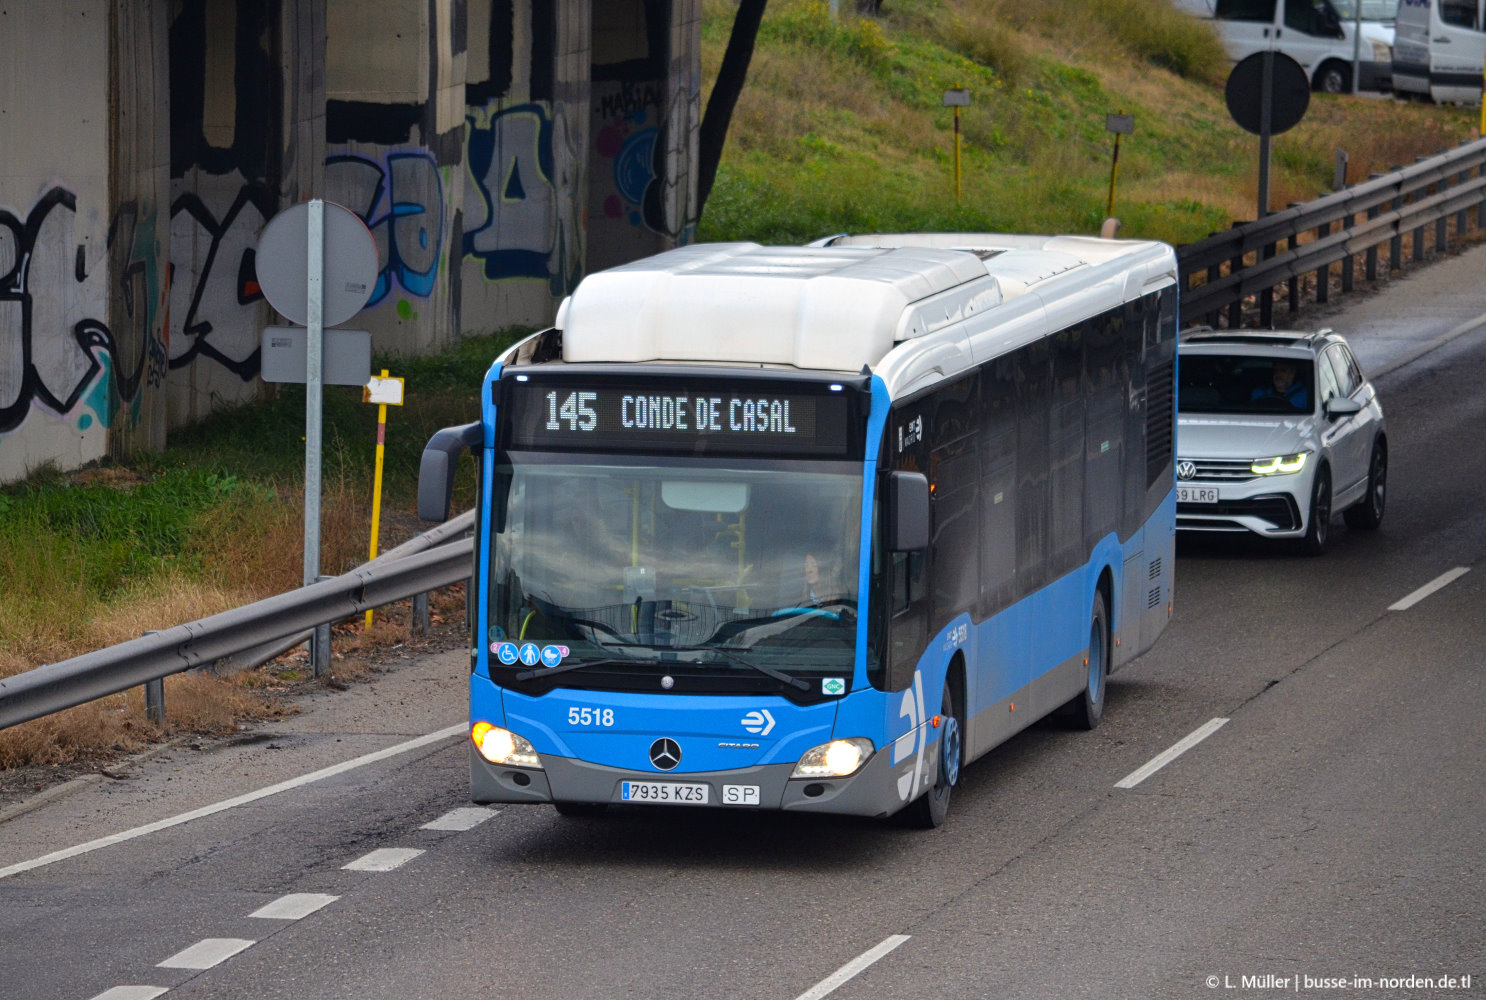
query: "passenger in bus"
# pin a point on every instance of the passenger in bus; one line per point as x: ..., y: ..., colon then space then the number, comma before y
x: 1283, y: 386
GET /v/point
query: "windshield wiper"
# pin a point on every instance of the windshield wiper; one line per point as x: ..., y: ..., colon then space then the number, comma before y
x: 778, y: 675
x: 563, y: 668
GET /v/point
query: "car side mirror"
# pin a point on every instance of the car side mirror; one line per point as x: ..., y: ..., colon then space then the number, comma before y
x: 1342, y: 406
x: 437, y: 468
x: 907, y: 512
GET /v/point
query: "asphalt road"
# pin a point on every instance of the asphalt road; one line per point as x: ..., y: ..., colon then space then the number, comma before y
x: 1330, y: 828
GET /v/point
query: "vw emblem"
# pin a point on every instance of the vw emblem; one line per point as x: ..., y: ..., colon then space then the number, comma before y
x: 665, y: 753
x: 1186, y: 470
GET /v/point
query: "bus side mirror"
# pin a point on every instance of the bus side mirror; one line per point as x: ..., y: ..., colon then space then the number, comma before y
x: 907, y: 512
x: 436, y: 470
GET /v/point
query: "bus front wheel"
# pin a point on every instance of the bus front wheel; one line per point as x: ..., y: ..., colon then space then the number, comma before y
x: 929, y: 810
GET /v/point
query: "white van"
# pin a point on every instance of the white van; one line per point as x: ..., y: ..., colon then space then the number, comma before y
x: 1440, y: 50
x: 1318, y: 34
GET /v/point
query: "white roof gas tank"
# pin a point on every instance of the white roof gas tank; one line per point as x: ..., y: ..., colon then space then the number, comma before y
x: 832, y: 308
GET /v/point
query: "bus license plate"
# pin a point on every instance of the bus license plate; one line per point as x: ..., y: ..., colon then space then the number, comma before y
x: 672, y: 793
x: 1196, y: 494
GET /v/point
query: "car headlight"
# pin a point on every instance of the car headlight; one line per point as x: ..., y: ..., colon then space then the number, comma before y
x: 1281, y: 465
x: 501, y: 746
x: 835, y: 759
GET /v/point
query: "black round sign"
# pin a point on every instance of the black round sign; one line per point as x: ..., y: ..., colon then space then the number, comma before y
x: 1290, y: 93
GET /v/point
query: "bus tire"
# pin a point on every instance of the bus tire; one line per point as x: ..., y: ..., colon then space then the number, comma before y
x: 929, y: 810
x: 1088, y: 708
x: 580, y: 810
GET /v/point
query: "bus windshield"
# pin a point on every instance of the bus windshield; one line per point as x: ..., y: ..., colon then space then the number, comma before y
x: 641, y: 571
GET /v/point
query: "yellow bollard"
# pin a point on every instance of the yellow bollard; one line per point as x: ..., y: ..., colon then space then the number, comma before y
x: 381, y: 391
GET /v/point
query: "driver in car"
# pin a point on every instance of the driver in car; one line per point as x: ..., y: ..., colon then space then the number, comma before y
x: 1283, y: 386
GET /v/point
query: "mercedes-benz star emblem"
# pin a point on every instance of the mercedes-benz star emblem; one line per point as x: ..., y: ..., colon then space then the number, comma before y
x: 1186, y: 470
x: 665, y: 753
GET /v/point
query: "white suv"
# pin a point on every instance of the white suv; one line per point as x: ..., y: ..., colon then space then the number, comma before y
x: 1275, y: 432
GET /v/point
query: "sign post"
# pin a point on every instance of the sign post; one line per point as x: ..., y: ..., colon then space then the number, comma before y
x: 1120, y: 124
x: 1267, y: 93
x: 957, y: 98
x: 384, y: 392
x: 318, y: 289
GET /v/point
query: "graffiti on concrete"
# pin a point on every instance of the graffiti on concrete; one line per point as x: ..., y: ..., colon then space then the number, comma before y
x: 402, y: 203
x: 56, y: 348
x: 219, y: 278
x: 510, y: 225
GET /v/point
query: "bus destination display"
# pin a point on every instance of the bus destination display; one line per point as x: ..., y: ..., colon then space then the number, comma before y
x: 676, y: 419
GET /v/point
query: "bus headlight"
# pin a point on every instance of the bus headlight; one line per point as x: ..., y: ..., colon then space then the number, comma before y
x: 835, y: 759
x: 501, y: 746
x: 1280, y: 465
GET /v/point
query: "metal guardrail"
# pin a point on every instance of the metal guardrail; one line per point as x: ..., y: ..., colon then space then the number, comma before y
x: 435, y: 559
x: 1229, y: 276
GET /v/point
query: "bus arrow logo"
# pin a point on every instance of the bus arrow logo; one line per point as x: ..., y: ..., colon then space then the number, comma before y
x: 758, y: 723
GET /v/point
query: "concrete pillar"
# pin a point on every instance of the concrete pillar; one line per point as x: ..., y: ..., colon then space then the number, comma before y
x: 395, y: 76
x: 247, y: 139
x: 646, y: 110
x: 83, y: 209
x: 526, y: 153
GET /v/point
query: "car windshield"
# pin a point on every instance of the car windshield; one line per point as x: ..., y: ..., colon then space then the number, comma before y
x: 1222, y: 383
x: 642, y: 568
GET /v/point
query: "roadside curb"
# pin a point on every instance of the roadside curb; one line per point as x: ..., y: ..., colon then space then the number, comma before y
x: 51, y: 794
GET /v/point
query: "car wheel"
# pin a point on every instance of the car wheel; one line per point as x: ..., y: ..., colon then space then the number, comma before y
x: 1088, y: 708
x: 929, y: 810
x: 1319, y: 528
x: 1368, y: 512
x: 1334, y: 79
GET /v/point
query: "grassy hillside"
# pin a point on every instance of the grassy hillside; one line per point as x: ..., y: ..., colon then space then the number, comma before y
x: 841, y: 127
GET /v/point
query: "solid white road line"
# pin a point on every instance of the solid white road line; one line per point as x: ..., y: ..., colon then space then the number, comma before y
x: 1438, y: 583
x: 461, y: 819
x: 295, y: 906
x: 133, y: 993
x: 1167, y: 756
x: 383, y: 859
x: 207, y: 953
x: 852, y: 968
x: 262, y: 793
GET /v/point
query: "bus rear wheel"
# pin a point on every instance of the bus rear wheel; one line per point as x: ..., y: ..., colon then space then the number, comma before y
x: 1088, y: 708
x: 929, y: 810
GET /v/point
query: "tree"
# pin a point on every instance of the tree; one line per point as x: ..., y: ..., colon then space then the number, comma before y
x: 725, y: 93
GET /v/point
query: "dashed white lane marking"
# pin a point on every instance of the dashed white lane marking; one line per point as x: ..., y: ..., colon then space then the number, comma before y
x: 853, y: 968
x: 461, y: 819
x: 206, y: 953
x: 295, y: 906
x: 1438, y: 583
x: 262, y: 793
x: 1167, y: 756
x: 133, y: 993
x: 383, y: 859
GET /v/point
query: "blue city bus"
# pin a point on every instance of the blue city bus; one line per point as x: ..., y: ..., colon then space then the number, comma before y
x: 810, y: 528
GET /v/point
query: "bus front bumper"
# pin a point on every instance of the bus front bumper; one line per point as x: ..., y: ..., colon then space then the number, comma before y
x: 871, y: 791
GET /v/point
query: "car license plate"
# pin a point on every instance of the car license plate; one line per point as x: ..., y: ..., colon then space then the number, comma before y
x: 664, y: 792
x: 1196, y: 494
